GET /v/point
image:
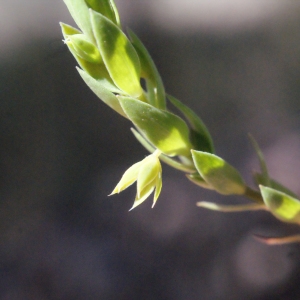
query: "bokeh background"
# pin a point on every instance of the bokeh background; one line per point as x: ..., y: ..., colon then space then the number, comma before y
x: 237, y: 64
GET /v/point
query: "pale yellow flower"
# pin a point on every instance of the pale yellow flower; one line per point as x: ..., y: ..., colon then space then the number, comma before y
x: 148, y: 175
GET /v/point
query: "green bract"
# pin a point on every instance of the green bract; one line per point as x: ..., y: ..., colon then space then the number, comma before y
x: 281, y: 205
x: 164, y: 130
x: 147, y: 173
x: 224, y: 178
x: 119, y: 55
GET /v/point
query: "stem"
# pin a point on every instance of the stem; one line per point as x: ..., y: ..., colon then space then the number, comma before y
x: 253, y: 195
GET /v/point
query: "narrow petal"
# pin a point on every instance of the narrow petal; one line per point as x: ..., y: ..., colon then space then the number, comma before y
x: 147, y: 173
x: 139, y: 200
x: 128, y: 178
x: 158, y: 187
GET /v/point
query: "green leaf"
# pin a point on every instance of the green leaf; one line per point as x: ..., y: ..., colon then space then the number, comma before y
x: 265, y: 179
x: 80, y: 13
x: 164, y: 130
x: 231, y: 208
x: 119, y: 55
x: 102, y: 92
x: 150, y: 73
x: 98, y: 70
x: 260, y: 180
x: 199, y: 134
x: 105, y: 7
x: 169, y: 161
x: 224, y: 178
x: 281, y: 205
x: 68, y: 30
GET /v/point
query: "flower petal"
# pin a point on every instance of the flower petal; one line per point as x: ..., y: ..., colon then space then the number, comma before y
x: 128, y: 178
x: 147, y: 173
x: 158, y: 187
x: 146, y: 193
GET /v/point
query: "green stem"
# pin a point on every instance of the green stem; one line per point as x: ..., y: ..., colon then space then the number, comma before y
x: 253, y: 195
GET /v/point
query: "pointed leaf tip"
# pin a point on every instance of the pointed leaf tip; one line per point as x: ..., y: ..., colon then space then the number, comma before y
x: 281, y: 205
x: 119, y: 56
x: 224, y: 178
x: 164, y: 130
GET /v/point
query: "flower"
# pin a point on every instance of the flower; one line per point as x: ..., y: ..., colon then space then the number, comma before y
x: 148, y: 175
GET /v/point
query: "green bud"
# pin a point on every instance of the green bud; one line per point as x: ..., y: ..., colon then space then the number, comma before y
x: 84, y: 48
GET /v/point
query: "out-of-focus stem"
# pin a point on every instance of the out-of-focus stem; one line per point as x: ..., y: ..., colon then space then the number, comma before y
x: 253, y: 195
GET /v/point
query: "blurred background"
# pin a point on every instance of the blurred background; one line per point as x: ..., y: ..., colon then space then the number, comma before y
x: 62, y: 151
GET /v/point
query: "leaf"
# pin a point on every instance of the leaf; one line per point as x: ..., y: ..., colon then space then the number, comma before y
x: 265, y: 179
x: 68, y: 30
x: 105, y: 7
x: 260, y: 179
x: 119, y: 55
x: 164, y: 130
x: 231, y: 208
x: 97, y: 71
x: 281, y: 205
x: 224, y: 178
x: 150, y: 72
x: 80, y: 13
x: 102, y: 92
x: 200, y: 136
x: 169, y: 161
